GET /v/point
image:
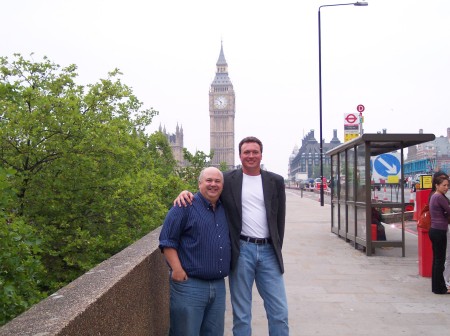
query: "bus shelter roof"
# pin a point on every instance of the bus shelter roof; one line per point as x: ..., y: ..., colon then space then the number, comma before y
x: 381, y: 143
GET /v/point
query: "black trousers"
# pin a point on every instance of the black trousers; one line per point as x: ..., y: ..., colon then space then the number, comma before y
x: 439, y: 243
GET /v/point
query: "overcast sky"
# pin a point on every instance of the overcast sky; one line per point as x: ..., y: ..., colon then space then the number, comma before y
x: 391, y: 56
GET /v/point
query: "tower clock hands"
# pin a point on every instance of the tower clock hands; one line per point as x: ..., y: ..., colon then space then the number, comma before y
x: 220, y: 102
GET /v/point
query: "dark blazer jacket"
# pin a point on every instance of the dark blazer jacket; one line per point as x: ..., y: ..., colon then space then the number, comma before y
x: 275, y: 200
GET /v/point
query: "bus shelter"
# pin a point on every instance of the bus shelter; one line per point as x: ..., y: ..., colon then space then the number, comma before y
x: 351, y: 187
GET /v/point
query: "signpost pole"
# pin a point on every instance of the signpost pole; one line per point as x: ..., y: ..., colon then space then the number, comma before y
x: 360, y: 108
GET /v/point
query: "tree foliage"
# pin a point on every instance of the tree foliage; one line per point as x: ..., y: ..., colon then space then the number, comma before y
x: 87, y: 180
x: 21, y: 268
x: 223, y: 167
x: 196, y: 162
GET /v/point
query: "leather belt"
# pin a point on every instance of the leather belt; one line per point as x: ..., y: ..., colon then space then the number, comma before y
x: 258, y: 241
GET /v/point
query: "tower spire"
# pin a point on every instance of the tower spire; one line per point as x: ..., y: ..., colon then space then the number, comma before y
x: 221, y: 61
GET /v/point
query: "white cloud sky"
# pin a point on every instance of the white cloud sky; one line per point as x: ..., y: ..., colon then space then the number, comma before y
x: 392, y: 56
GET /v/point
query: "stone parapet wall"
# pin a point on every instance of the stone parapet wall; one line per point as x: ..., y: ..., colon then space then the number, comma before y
x: 128, y: 294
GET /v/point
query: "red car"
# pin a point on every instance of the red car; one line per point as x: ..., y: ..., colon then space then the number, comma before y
x: 317, y: 183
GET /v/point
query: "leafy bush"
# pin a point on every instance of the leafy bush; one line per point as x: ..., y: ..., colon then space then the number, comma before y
x: 20, y: 267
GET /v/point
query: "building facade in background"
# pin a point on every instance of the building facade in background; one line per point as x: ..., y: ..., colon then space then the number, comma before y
x: 304, y: 162
x: 429, y: 157
x: 222, y: 110
x: 176, y: 144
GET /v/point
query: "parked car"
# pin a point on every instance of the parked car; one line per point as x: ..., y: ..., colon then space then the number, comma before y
x: 318, y: 182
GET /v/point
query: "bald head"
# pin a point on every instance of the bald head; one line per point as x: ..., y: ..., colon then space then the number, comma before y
x: 210, y: 183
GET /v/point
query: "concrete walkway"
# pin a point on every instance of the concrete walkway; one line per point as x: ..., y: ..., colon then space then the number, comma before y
x: 334, y: 289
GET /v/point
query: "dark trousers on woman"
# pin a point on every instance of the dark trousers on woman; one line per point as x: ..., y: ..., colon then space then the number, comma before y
x: 439, y: 243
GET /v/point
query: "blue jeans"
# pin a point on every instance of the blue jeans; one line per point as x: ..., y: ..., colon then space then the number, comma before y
x: 197, y: 307
x: 258, y: 263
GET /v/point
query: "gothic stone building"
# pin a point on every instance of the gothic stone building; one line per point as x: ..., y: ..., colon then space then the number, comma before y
x: 306, y: 159
x: 221, y: 115
x: 176, y: 144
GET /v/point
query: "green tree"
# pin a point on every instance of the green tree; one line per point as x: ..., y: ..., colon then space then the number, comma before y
x: 88, y: 180
x: 196, y: 162
x: 223, y: 166
x: 20, y: 267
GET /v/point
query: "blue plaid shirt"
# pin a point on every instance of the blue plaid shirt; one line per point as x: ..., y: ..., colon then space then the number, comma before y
x: 201, y: 237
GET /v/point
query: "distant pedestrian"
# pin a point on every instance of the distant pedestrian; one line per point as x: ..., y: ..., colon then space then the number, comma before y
x: 439, y: 212
x: 447, y: 257
x: 376, y: 219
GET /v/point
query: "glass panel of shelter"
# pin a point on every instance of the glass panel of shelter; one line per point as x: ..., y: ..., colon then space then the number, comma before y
x: 343, y: 227
x: 350, y: 191
x: 360, y: 185
x: 335, y: 194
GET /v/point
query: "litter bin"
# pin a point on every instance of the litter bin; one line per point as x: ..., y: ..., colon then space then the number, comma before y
x: 425, y: 253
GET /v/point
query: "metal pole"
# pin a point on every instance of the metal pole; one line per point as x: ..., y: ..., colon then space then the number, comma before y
x: 358, y: 3
x: 320, y: 115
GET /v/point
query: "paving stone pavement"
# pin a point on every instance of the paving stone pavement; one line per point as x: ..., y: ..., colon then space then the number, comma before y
x: 335, y: 289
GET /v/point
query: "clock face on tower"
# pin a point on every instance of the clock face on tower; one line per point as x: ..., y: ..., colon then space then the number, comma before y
x: 220, y: 102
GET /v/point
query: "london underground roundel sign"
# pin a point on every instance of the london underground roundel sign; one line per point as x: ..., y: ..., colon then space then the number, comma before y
x: 350, y: 118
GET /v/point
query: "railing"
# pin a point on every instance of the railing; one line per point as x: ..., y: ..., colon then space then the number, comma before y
x: 128, y: 294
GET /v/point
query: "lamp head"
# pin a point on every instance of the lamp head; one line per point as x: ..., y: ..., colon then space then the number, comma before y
x: 361, y: 3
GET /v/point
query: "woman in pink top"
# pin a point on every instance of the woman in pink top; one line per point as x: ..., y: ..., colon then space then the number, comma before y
x: 439, y: 213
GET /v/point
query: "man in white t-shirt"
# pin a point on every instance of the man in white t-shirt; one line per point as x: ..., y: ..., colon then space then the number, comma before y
x: 255, y: 202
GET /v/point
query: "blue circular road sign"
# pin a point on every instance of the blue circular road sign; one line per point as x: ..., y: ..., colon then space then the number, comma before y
x: 387, y: 164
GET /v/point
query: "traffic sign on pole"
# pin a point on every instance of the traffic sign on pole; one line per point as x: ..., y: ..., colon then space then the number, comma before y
x: 351, y: 126
x: 360, y: 108
x: 350, y: 118
x: 386, y: 164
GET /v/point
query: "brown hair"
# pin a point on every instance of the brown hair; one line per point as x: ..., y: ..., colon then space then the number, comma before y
x: 438, y: 178
x: 250, y: 139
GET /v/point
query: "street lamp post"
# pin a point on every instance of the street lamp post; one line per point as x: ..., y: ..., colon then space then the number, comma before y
x: 358, y: 3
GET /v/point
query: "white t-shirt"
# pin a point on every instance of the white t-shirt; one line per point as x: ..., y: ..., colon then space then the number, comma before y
x: 254, y: 219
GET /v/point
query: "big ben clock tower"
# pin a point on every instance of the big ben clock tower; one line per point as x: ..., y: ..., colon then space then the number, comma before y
x: 221, y: 115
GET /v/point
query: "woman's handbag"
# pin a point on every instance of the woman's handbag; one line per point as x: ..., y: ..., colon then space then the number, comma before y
x: 424, y: 221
